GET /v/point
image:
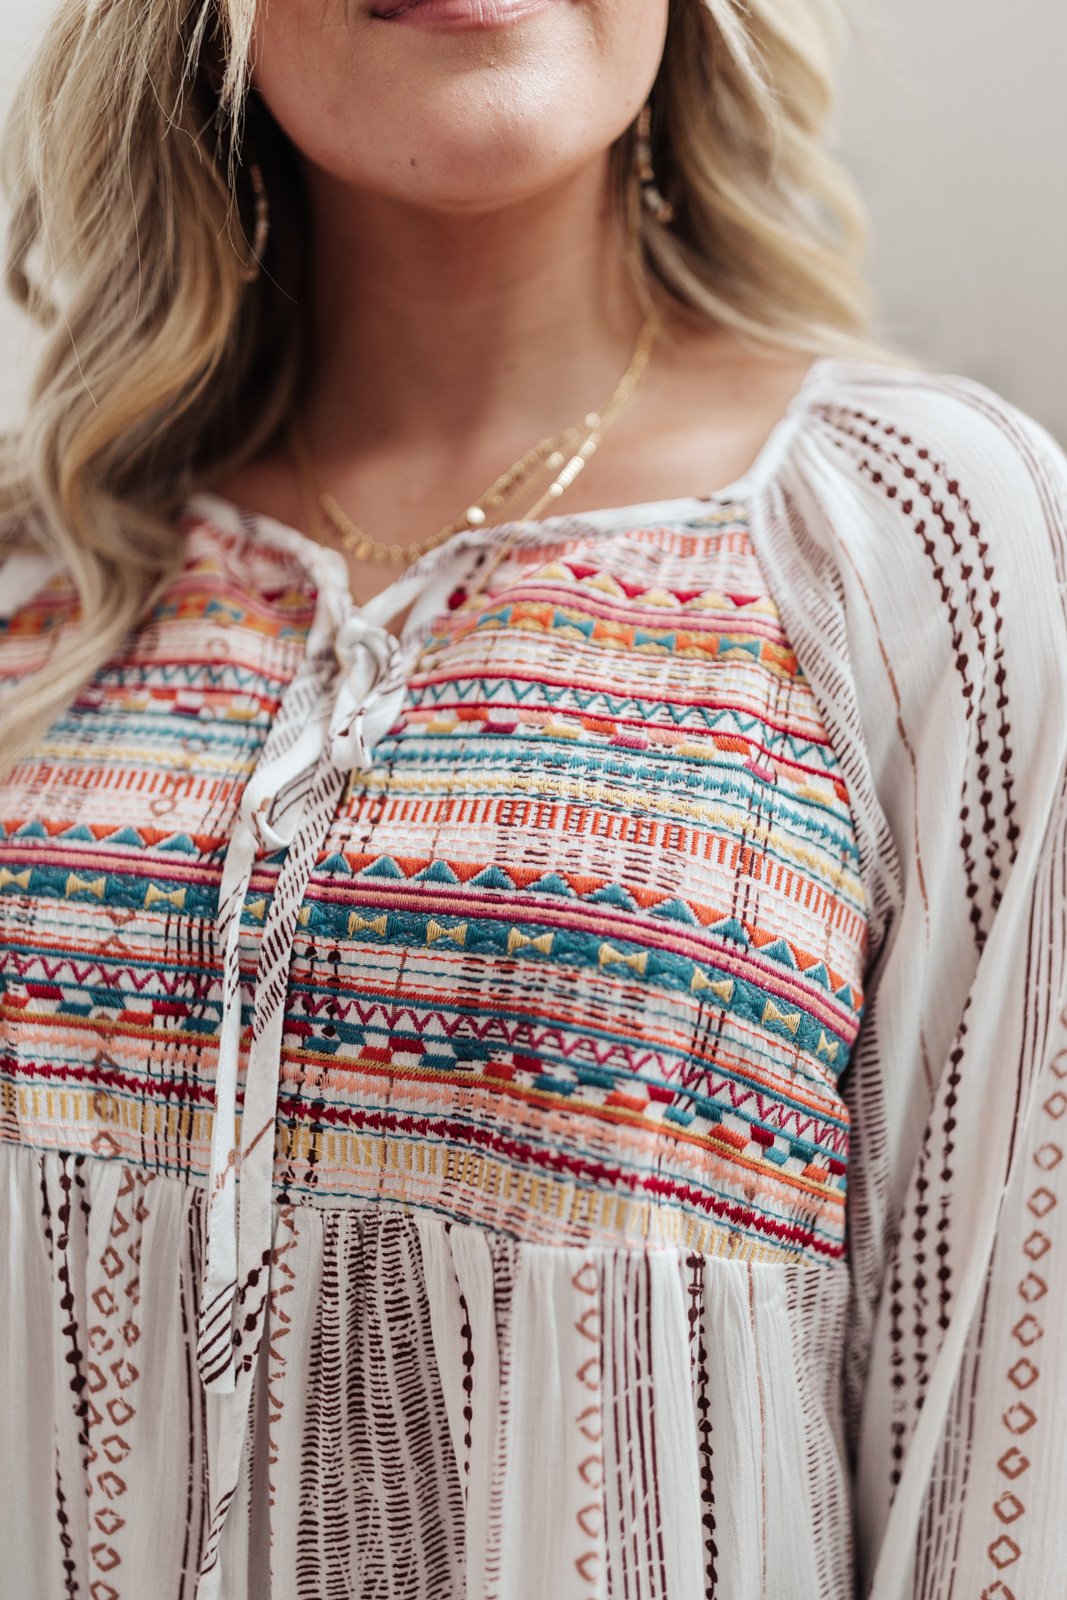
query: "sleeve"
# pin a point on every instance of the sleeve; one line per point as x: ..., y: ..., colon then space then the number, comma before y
x: 920, y: 544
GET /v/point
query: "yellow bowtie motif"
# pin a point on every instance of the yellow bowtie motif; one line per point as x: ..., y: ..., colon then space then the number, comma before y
x: 361, y: 924
x: 76, y: 885
x: 525, y: 941
x: 722, y: 987
x: 774, y: 1013
x: 155, y: 896
x: 637, y: 963
x: 20, y: 880
x: 436, y: 930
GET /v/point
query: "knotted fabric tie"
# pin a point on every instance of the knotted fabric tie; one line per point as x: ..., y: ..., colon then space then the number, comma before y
x: 338, y: 706
x: 324, y: 730
x: 347, y: 693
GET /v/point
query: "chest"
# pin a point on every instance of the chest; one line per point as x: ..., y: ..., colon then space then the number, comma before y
x: 582, y: 953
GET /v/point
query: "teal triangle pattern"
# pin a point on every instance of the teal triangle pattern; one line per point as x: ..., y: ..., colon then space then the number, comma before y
x: 583, y: 625
x: 732, y: 646
x: 337, y: 865
x: 436, y: 872
x: 125, y: 836
x: 384, y: 867
x: 502, y: 616
x: 677, y: 911
x: 613, y: 894
x: 552, y: 883
x: 492, y: 878
x: 780, y: 950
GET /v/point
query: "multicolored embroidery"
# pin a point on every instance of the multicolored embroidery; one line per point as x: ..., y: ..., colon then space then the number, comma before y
x: 582, y: 957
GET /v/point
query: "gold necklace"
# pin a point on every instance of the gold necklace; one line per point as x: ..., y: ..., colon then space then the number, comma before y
x: 564, y: 454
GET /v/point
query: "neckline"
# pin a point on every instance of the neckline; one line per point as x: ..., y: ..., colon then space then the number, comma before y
x: 328, y: 565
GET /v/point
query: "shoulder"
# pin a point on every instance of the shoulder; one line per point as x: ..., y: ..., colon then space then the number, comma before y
x: 921, y: 444
x: 918, y: 537
x: 923, y: 518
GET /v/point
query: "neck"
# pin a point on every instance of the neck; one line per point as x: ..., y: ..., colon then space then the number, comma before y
x: 445, y: 329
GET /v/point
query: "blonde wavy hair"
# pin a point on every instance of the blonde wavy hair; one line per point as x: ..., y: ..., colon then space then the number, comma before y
x: 164, y: 368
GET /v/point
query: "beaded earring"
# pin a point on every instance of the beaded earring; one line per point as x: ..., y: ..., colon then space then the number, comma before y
x: 262, y: 223
x: 654, y: 202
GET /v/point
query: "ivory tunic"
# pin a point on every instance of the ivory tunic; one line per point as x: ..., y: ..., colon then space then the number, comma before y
x: 569, y: 1102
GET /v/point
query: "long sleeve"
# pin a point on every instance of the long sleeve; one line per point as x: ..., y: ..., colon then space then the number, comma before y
x: 917, y: 541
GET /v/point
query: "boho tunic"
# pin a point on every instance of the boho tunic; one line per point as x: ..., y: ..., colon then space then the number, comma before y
x: 568, y: 1102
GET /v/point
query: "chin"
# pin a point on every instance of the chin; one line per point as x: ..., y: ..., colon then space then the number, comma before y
x: 486, y: 175
x: 470, y: 157
x: 462, y: 120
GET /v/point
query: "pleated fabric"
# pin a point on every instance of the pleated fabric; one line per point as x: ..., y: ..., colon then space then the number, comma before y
x: 437, y: 1409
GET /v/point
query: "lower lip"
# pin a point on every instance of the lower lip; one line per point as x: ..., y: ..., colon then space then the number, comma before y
x: 475, y: 14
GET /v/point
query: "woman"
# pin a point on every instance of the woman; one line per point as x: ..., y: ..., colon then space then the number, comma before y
x: 532, y: 1033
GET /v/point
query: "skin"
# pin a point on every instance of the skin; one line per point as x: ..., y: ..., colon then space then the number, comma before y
x: 470, y: 293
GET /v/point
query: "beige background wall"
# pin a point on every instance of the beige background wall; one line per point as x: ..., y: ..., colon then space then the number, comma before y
x: 956, y: 126
x: 955, y: 123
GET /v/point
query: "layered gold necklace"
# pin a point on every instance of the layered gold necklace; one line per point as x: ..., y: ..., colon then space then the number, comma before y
x: 561, y: 455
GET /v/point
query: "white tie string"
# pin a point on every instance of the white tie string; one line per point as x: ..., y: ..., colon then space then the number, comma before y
x: 291, y: 796
x: 346, y: 695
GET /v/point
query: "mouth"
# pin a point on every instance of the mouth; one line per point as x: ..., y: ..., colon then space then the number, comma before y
x: 457, y: 13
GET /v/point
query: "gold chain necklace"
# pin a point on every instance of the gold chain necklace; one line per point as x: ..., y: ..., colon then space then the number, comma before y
x: 564, y: 454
